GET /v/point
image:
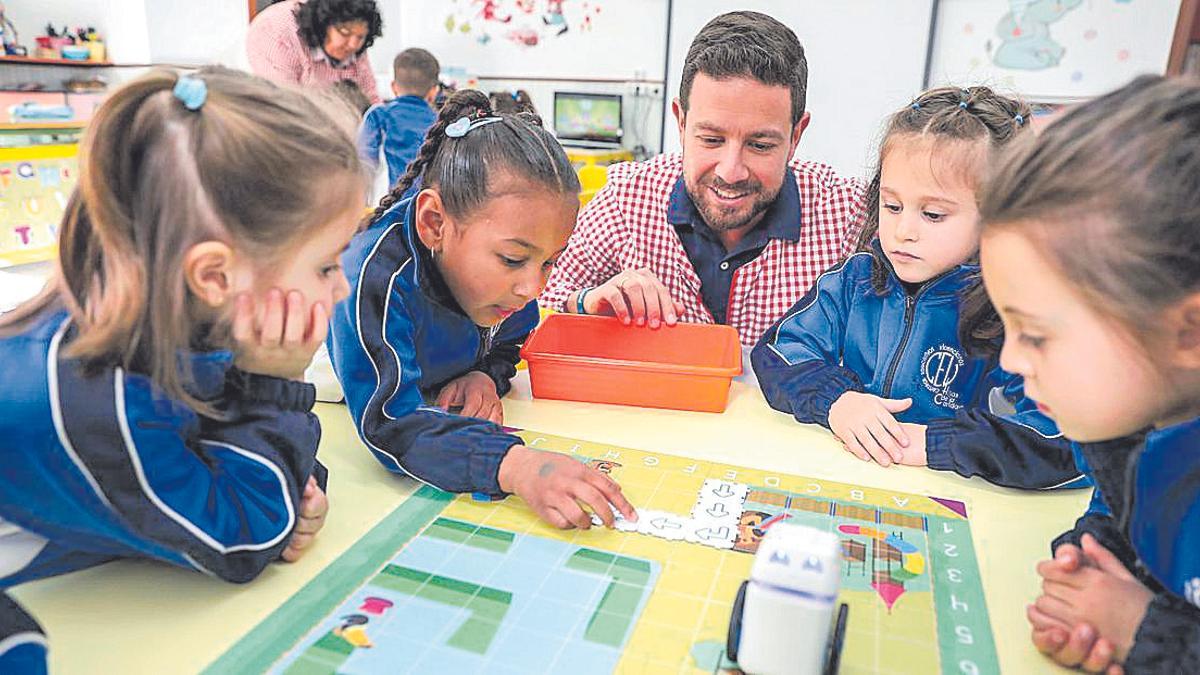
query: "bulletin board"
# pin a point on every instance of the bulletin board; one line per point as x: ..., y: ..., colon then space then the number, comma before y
x: 1052, y: 50
x: 35, y: 184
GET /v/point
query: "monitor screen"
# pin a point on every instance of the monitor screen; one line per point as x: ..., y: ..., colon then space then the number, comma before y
x: 587, y: 117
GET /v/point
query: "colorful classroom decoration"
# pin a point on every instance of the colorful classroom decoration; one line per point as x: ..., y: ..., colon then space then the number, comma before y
x: 35, y: 184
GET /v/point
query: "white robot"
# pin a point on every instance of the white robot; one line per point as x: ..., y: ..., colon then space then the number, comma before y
x: 783, y: 617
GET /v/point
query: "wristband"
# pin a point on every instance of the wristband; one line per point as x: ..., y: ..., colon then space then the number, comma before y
x: 579, y: 300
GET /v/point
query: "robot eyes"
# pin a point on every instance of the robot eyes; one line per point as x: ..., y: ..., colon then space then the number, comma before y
x: 810, y: 564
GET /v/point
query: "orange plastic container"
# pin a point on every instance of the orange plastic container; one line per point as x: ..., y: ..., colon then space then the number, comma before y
x: 600, y: 360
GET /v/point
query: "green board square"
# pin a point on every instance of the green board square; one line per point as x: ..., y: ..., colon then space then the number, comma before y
x: 607, y: 629
x: 496, y: 535
x: 449, y: 530
x: 489, y: 609
x: 621, y: 599
x: 475, y: 635
x: 488, y: 543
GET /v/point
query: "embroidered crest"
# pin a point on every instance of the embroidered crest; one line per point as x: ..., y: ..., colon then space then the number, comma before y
x: 939, y: 368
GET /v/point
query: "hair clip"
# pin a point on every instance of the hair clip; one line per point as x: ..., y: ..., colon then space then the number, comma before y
x: 464, y: 125
x: 915, y: 105
x: 191, y: 91
x: 1019, y: 119
x: 962, y: 104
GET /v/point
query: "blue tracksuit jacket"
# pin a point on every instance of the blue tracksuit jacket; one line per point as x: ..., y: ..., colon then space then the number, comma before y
x: 843, y: 336
x: 397, y: 339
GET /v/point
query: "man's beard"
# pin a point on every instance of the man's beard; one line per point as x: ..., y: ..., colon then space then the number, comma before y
x: 721, y: 219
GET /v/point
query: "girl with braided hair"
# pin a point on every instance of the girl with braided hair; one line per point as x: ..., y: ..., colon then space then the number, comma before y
x: 895, y: 350
x: 443, y: 292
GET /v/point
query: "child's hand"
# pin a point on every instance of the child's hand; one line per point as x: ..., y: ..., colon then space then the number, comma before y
x: 281, y: 342
x: 475, y: 394
x: 913, y: 454
x: 866, y: 426
x: 1101, y: 593
x: 1072, y: 646
x: 1080, y: 646
x: 313, y: 507
x: 555, y: 486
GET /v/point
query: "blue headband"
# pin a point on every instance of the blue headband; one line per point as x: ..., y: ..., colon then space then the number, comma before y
x: 464, y: 125
x: 192, y: 91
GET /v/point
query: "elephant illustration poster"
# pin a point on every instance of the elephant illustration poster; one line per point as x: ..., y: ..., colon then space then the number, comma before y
x: 1052, y: 50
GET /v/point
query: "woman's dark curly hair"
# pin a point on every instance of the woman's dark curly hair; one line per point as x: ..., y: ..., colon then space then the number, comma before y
x: 313, y: 19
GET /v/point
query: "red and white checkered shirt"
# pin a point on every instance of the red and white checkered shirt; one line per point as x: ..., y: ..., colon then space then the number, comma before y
x: 277, y: 53
x: 625, y: 227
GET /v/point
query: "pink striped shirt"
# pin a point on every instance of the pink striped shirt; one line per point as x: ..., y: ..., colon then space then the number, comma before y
x: 277, y: 53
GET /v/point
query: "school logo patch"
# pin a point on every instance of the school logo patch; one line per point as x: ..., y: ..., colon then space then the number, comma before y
x: 1191, y: 591
x: 940, y: 366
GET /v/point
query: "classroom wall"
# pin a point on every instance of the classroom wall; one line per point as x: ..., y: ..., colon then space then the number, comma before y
x: 188, y: 32
x: 624, y: 42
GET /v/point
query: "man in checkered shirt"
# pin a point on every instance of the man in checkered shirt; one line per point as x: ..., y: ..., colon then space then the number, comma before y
x: 732, y: 230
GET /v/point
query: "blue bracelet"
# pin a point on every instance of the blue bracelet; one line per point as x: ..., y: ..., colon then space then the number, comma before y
x: 579, y: 300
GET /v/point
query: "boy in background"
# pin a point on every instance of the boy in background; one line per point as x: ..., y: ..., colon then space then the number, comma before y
x: 398, y: 126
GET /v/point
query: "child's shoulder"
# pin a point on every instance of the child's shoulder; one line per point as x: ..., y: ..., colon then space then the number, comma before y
x: 406, y: 106
x: 40, y: 329
x: 379, y: 256
x: 856, y: 267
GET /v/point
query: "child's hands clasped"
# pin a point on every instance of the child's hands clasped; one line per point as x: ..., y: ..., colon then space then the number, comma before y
x: 557, y: 487
x: 866, y: 425
x: 475, y: 394
x: 1090, y: 608
x: 281, y: 340
x: 311, y: 518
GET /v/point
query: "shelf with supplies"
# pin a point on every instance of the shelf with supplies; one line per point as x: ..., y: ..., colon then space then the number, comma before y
x: 73, y: 63
x: 42, y: 126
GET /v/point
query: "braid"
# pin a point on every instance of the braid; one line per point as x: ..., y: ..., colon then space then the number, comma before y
x: 465, y: 103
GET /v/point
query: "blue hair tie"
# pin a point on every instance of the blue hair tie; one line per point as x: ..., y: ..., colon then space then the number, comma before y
x: 915, y: 105
x: 464, y: 125
x: 192, y: 91
x: 1019, y: 119
x: 962, y: 104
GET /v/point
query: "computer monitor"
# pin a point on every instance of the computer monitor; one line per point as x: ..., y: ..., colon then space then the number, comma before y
x: 587, y: 119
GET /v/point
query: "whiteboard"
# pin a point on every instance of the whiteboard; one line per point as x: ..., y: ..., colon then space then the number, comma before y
x: 611, y: 39
x: 866, y: 59
x: 1052, y: 50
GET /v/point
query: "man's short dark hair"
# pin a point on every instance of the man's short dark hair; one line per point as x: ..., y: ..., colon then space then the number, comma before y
x: 313, y: 19
x: 415, y: 71
x: 748, y: 44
